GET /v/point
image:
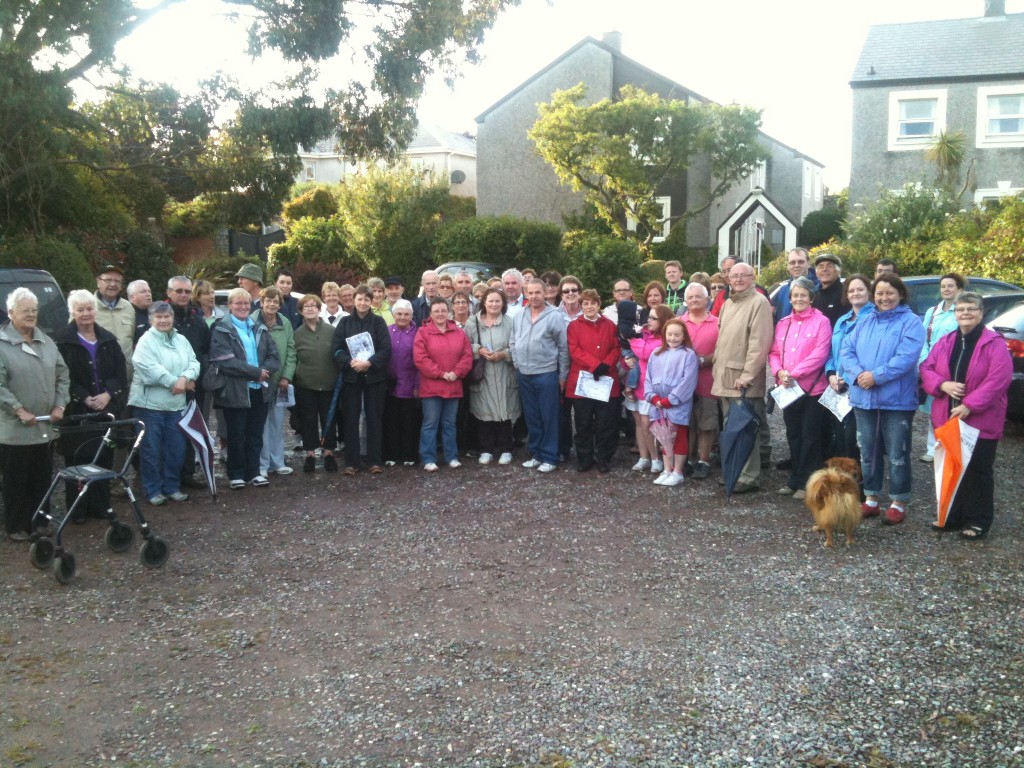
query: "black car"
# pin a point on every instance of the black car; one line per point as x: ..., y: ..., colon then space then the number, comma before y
x: 1011, y: 325
x: 53, y: 309
x: 923, y: 290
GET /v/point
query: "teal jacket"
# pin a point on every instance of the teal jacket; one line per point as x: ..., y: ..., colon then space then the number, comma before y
x: 160, y: 359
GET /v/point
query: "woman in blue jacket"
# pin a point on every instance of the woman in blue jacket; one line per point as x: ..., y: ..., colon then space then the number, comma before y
x: 879, y: 363
x: 857, y: 295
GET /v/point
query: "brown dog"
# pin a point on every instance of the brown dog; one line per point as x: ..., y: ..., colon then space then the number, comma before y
x: 833, y: 497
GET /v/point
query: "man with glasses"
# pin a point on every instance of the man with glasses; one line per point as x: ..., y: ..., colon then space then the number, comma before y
x: 189, y: 322
x: 621, y: 291
x: 744, y: 340
x: 798, y: 264
x: 115, y: 313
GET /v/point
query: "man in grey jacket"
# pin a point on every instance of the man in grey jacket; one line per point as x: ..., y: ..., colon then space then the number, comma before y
x: 540, y: 354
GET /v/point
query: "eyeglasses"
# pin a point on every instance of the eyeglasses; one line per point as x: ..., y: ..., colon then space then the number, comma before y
x: 181, y: 290
x: 621, y: 290
x: 742, y: 275
x: 966, y: 310
x: 717, y: 287
x: 570, y: 290
x: 111, y: 280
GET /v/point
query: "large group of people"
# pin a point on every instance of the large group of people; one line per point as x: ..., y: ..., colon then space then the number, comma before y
x: 382, y: 380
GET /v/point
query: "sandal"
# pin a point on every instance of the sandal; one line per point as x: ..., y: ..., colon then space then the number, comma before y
x: 973, y: 532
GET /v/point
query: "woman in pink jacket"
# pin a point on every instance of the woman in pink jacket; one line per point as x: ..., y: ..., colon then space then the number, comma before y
x: 443, y: 356
x: 803, y: 341
x: 968, y: 372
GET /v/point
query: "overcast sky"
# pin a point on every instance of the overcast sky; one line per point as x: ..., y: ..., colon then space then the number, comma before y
x: 791, y: 58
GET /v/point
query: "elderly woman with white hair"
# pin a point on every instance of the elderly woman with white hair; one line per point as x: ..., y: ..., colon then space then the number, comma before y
x: 33, y: 383
x: 99, y: 384
x: 165, y: 368
x: 402, y: 414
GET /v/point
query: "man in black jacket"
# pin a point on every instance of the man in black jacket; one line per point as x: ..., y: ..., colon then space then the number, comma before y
x: 189, y: 322
x: 362, y: 348
x: 828, y: 299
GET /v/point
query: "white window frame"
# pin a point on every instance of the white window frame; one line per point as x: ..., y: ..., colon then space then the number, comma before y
x: 994, y: 193
x: 759, y: 176
x: 666, y: 213
x: 310, y: 171
x: 899, y: 143
x: 984, y: 139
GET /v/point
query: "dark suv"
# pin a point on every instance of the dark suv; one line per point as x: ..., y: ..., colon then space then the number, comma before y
x: 923, y: 290
x: 53, y: 310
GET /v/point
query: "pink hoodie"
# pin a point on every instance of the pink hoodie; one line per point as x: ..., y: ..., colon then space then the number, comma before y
x: 803, y: 343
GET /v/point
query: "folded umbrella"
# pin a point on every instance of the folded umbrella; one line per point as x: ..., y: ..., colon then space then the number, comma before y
x: 664, y: 432
x: 197, y: 433
x: 737, y: 441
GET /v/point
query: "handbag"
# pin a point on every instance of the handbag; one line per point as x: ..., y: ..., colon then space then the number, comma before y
x: 213, y: 379
x: 476, y: 373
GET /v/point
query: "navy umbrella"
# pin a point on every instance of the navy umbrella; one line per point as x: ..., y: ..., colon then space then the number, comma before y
x: 331, y: 411
x: 737, y: 440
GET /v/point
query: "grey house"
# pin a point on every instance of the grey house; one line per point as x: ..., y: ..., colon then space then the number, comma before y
x: 915, y: 80
x: 513, y: 180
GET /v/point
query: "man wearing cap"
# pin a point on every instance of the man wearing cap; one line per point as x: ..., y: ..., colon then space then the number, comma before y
x: 394, y: 288
x: 250, y: 277
x: 114, y: 313
x: 140, y: 297
x: 828, y: 299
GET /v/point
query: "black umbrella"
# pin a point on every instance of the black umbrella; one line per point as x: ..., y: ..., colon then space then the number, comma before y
x: 332, y: 411
x: 737, y: 440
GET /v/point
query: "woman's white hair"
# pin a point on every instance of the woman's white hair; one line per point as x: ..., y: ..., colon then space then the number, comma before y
x: 81, y: 296
x: 18, y: 295
x: 402, y: 304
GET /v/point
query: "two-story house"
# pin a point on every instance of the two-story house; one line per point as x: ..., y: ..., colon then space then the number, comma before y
x: 914, y: 81
x: 512, y: 179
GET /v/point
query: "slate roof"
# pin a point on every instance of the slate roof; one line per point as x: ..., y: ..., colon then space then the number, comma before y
x: 430, y: 137
x: 978, y: 48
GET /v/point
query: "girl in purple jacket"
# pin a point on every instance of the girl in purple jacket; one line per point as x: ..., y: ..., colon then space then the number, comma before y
x: 669, y: 383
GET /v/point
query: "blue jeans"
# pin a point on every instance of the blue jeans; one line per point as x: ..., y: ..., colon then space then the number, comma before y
x: 162, y: 452
x: 880, y: 434
x: 438, y: 411
x: 272, y: 455
x: 540, y: 396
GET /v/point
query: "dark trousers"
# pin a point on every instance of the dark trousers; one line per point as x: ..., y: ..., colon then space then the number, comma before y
x: 28, y: 472
x: 565, y: 427
x: 312, y: 406
x: 804, y: 420
x: 495, y: 437
x: 97, y: 499
x: 245, y: 437
x: 467, y: 427
x: 356, y: 397
x: 596, y: 429
x: 974, y: 502
x: 403, y: 420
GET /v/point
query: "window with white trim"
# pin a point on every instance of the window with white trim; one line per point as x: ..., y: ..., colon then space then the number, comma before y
x: 916, y: 118
x: 666, y: 225
x: 1001, y: 116
x: 310, y: 173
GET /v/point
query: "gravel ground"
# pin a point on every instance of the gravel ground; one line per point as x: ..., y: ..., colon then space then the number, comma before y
x: 489, y: 617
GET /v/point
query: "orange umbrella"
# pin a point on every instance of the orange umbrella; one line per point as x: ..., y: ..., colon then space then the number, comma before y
x: 953, y: 451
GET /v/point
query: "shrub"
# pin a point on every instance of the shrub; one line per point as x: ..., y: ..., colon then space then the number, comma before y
x: 60, y: 258
x: 599, y: 260
x: 318, y: 203
x: 312, y: 240
x: 309, y: 277
x: 146, y: 259
x: 821, y: 226
x: 502, y: 240
x: 195, y: 218
x: 997, y: 252
x: 913, y: 214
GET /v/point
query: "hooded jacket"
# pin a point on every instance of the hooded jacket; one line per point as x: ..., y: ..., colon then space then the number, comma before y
x: 228, y: 354
x: 887, y: 344
x: 672, y: 374
x: 988, y: 379
x: 802, y: 344
x: 160, y: 359
x: 436, y: 352
x: 33, y: 376
x: 541, y: 345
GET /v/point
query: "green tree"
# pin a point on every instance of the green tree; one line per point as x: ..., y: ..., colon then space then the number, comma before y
x: 46, y: 47
x: 621, y: 152
x: 503, y: 240
x: 599, y: 260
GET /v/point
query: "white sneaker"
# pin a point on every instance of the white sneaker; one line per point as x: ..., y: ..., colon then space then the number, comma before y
x: 673, y: 479
x: 237, y: 484
x: 657, y: 467
x: 641, y: 465
x: 531, y: 464
x: 506, y: 458
x: 660, y: 479
x: 545, y: 468
x: 454, y: 463
x: 284, y: 470
x: 486, y: 458
x: 431, y: 467
x: 259, y: 481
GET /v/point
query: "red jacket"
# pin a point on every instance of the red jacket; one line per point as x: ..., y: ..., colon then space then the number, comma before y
x: 591, y: 344
x: 436, y: 352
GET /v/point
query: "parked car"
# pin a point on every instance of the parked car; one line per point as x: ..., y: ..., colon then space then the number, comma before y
x: 478, y: 270
x: 53, y: 310
x: 924, y: 290
x: 1011, y: 325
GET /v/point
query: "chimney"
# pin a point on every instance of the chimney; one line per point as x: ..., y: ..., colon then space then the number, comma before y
x: 613, y: 39
x: 995, y: 8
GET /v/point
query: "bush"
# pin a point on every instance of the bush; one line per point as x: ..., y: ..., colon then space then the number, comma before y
x: 318, y: 203
x: 913, y: 214
x: 146, y: 259
x: 821, y: 226
x: 60, y: 258
x: 599, y: 260
x: 502, y: 240
x: 309, y: 277
x: 195, y: 218
x: 316, y: 241
x: 999, y: 250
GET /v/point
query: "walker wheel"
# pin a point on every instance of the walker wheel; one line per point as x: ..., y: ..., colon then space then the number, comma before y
x: 64, y: 568
x: 41, y: 553
x: 119, y: 537
x: 154, y: 552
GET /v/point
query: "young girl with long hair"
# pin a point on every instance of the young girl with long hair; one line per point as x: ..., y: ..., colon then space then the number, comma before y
x: 669, y: 385
x: 643, y: 348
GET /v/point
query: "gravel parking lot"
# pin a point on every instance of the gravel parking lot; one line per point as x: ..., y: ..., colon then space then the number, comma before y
x: 491, y: 616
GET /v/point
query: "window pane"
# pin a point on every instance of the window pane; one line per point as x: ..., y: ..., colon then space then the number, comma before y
x: 1006, y: 125
x: 1011, y: 105
x: 917, y: 129
x: 917, y: 109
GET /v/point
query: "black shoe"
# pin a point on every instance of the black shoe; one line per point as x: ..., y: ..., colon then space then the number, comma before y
x: 191, y: 481
x: 330, y: 463
x: 310, y: 463
x: 701, y: 470
x: 746, y: 488
x: 584, y: 466
x: 604, y: 467
x: 784, y: 464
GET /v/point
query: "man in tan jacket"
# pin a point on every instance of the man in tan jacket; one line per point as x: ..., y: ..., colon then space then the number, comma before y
x: 744, y: 340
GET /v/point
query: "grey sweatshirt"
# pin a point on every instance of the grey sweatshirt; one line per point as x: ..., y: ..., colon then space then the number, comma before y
x: 540, y: 346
